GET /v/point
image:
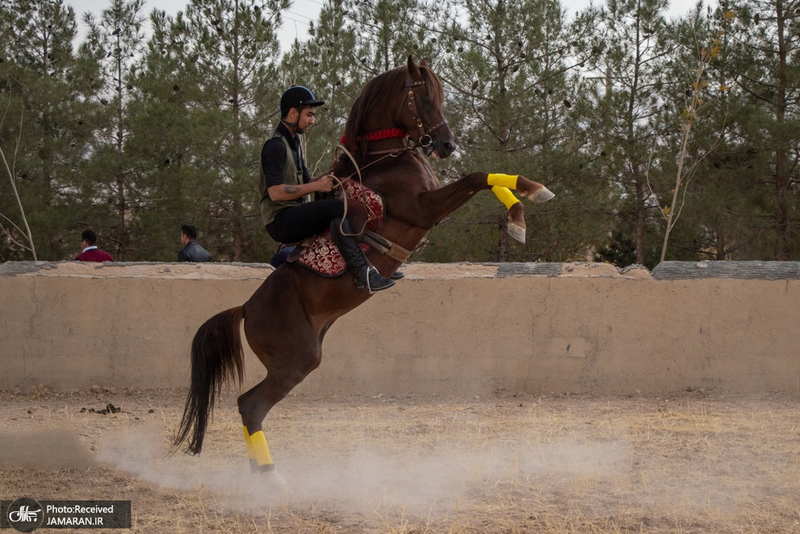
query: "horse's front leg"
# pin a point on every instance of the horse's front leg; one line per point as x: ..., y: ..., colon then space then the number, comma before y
x: 502, y: 184
x: 515, y: 226
x: 533, y: 191
x: 436, y: 205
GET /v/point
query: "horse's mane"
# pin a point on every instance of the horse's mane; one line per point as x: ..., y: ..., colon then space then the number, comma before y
x: 381, y: 87
x: 373, y: 97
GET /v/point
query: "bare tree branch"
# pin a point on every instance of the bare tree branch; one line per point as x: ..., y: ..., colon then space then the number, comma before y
x: 14, y: 183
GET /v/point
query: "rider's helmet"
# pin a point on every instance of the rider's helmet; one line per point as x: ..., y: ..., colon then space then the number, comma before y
x: 298, y: 97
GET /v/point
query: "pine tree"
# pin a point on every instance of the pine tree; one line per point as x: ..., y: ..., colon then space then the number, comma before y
x: 324, y: 63
x: 43, y: 132
x: 766, y: 45
x: 112, y: 54
x: 387, y: 31
x: 228, y: 51
x: 627, y: 96
x: 511, y: 73
x: 162, y: 143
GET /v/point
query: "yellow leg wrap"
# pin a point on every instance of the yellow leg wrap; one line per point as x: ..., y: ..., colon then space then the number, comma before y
x: 505, y: 196
x: 257, y: 448
x: 503, y: 180
x: 251, y: 454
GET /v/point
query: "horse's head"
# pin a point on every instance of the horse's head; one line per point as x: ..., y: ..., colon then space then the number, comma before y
x: 407, y: 101
x: 422, y: 114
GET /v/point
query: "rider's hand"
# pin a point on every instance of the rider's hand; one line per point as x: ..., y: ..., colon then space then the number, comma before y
x: 325, y: 183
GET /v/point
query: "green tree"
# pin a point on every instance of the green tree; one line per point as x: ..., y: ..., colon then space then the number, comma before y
x: 227, y: 51
x: 43, y: 128
x: 387, y: 31
x: 112, y: 54
x: 324, y: 63
x: 626, y: 100
x: 162, y: 142
x: 766, y: 43
x: 512, y: 76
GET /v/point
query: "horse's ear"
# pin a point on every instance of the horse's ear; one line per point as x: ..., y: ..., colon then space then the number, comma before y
x: 412, y: 68
x: 424, y: 63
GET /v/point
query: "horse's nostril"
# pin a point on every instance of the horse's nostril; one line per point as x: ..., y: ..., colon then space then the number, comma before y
x: 449, y: 147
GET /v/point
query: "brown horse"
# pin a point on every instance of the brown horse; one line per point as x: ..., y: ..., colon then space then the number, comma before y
x: 398, y: 114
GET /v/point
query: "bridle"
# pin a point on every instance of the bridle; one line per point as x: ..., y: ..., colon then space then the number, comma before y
x: 424, y: 141
x: 423, y: 138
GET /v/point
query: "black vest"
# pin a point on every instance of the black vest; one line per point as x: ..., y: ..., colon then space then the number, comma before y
x: 292, y: 175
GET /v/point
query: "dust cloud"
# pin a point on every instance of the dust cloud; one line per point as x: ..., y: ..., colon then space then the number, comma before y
x: 52, y: 449
x: 367, y: 477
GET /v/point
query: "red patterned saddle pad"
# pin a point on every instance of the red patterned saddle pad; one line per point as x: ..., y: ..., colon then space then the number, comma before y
x: 321, y: 255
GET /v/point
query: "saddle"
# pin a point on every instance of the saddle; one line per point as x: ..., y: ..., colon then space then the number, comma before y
x: 320, y: 254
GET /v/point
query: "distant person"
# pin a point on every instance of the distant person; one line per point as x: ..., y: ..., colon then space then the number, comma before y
x: 90, y: 251
x: 192, y: 251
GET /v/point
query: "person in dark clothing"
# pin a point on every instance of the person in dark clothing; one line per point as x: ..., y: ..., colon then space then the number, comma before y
x: 288, y: 211
x: 192, y: 251
x: 90, y: 251
x: 281, y: 255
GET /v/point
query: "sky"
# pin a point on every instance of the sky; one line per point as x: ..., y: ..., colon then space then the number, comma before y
x: 297, y: 18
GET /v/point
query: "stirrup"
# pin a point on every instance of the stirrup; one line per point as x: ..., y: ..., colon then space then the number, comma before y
x: 372, y: 281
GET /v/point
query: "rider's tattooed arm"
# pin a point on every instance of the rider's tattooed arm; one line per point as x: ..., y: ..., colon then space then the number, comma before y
x: 282, y: 192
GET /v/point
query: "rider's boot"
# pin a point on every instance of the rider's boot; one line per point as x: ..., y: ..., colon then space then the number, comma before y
x: 367, y: 277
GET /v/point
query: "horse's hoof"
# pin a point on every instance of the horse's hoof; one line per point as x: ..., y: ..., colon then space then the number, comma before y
x: 273, y: 480
x: 268, y: 474
x: 516, y: 231
x: 541, y: 195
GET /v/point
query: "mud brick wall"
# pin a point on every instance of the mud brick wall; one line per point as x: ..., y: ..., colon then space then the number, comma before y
x: 445, y: 329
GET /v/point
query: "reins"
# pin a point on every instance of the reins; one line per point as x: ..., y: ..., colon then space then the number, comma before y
x: 363, y: 199
x: 373, y: 239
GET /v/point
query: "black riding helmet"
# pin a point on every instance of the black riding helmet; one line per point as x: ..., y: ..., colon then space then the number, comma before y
x: 298, y: 96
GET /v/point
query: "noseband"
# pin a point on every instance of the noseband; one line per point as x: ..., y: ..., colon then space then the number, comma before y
x: 424, y: 140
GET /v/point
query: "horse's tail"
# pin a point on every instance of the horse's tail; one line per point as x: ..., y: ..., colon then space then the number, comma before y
x: 217, y: 358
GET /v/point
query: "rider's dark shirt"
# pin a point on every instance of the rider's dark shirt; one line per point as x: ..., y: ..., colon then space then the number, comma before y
x: 295, y: 220
x: 273, y: 157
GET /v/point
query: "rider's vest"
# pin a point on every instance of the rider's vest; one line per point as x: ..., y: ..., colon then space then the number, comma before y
x: 291, y: 176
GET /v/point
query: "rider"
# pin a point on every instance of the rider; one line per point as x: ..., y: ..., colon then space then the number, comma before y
x: 287, y: 208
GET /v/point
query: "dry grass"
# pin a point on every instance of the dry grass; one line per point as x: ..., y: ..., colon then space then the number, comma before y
x: 690, y: 463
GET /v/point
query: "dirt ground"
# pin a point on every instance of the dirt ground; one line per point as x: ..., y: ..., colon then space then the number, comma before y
x: 700, y: 461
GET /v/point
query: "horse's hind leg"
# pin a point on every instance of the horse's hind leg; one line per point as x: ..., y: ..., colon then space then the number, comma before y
x: 255, y: 404
x: 279, y: 332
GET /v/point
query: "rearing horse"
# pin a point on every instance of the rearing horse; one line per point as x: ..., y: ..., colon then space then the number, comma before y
x: 397, y: 114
